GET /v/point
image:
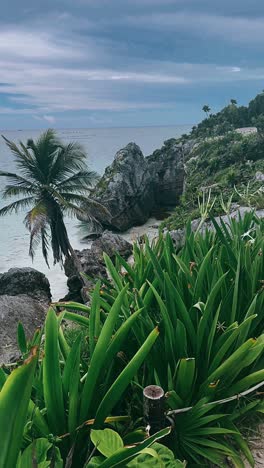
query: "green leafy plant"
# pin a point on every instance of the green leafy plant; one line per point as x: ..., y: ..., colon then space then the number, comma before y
x: 208, y: 301
x: 114, y: 453
x: 69, y: 395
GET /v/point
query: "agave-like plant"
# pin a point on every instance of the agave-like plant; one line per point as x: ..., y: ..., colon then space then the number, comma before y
x: 209, y: 303
x: 68, y: 395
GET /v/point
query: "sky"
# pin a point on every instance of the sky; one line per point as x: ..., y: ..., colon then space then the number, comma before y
x: 111, y: 63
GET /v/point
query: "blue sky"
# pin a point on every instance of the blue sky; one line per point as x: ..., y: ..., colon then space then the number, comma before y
x: 103, y: 63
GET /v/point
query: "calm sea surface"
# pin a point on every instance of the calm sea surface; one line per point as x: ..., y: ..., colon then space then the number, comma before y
x: 101, y: 146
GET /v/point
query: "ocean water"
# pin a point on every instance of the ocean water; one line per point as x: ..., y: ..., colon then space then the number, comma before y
x: 101, y: 146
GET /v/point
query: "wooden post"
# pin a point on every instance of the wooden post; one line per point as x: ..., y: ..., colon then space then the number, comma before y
x: 154, y: 408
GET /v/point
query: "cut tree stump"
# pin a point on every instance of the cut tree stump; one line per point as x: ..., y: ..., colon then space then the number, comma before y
x: 154, y: 408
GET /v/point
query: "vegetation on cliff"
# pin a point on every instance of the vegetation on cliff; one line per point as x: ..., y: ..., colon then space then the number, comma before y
x: 229, y: 118
x: 227, y: 163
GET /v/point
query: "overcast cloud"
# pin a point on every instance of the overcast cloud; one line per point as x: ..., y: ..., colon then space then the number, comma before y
x: 124, y: 62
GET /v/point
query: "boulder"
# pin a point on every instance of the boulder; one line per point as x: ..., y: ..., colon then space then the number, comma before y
x: 13, y: 309
x: 111, y: 244
x: 92, y: 263
x: 27, y: 281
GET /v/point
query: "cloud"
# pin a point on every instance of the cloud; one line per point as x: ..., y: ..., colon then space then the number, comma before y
x: 64, y: 63
x: 35, y: 45
x: 49, y: 118
x: 228, y: 28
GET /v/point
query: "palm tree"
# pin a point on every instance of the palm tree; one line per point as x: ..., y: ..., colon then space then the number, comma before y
x: 206, y: 109
x: 51, y: 181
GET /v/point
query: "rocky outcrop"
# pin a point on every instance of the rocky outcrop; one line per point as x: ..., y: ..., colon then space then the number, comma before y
x: 12, y: 310
x: 27, y: 281
x: 24, y: 296
x: 92, y: 263
x: 133, y: 186
x: 125, y: 190
x: 167, y: 169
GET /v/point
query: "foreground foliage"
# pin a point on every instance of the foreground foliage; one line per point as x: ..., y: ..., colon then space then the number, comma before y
x: 189, y: 320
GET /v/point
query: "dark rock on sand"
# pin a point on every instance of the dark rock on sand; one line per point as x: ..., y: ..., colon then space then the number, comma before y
x: 27, y: 281
x: 92, y: 263
x: 111, y: 244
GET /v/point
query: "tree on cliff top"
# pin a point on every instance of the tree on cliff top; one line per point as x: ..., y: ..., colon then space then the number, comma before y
x: 206, y: 109
x: 52, y: 178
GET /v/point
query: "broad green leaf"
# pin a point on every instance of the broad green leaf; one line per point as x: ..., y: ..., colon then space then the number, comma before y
x: 37, y: 451
x: 106, y: 441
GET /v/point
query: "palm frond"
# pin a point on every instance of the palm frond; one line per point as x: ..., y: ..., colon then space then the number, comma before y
x: 24, y: 160
x: 45, y: 244
x: 44, y: 150
x: 36, y: 216
x: 17, y: 185
x: 17, y: 205
x: 17, y: 179
x: 69, y: 158
x: 36, y: 222
x: 78, y: 182
x: 13, y: 190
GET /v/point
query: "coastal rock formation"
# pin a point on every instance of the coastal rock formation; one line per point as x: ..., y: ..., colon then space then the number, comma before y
x: 27, y: 281
x: 24, y: 296
x: 167, y: 169
x: 133, y: 185
x: 12, y: 310
x: 92, y: 262
x: 125, y: 190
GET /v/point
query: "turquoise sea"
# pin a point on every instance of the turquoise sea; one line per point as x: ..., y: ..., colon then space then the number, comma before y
x: 101, y: 146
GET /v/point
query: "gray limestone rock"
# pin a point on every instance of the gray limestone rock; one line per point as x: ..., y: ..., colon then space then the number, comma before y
x: 13, y: 309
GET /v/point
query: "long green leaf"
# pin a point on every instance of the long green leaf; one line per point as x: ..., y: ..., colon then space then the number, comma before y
x: 14, y: 401
x: 99, y: 356
x: 114, y: 393
x: 52, y: 381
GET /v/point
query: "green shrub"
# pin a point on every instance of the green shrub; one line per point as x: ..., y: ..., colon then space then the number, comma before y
x: 68, y: 394
x: 208, y: 301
